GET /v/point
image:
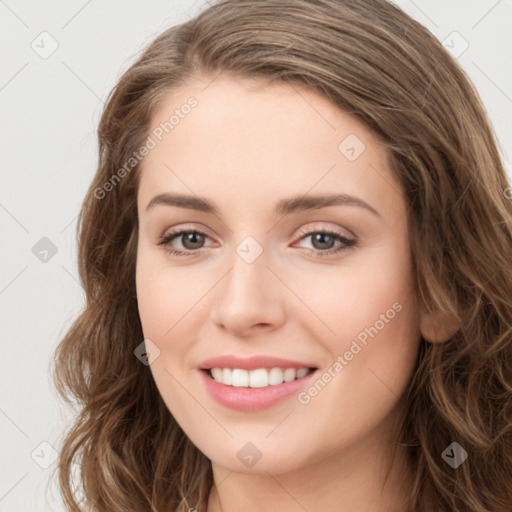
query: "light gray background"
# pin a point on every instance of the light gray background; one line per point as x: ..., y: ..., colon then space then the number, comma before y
x: 50, y: 108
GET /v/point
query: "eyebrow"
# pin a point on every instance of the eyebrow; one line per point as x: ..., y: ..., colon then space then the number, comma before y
x: 283, y: 207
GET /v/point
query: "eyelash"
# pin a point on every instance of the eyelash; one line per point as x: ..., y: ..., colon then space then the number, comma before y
x: 347, y: 243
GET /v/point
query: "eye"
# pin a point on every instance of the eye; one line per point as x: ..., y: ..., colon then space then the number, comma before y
x: 192, y: 241
x: 323, y: 242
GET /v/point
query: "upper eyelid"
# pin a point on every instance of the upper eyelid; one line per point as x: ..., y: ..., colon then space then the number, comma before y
x: 318, y: 227
x: 181, y: 231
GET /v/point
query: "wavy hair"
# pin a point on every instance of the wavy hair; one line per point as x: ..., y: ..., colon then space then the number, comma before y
x: 376, y: 63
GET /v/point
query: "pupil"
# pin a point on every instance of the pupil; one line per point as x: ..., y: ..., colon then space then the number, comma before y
x: 320, y: 237
x: 191, y: 237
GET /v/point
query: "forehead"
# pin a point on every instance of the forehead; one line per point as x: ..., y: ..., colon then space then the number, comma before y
x: 249, y: 139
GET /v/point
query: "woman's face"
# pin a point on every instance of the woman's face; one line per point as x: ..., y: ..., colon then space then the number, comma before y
x: 296, y: 248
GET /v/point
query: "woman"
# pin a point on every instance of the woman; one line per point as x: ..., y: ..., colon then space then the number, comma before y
x: 296, y: 253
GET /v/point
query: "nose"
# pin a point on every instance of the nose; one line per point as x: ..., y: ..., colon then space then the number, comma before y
x: 249, y: 298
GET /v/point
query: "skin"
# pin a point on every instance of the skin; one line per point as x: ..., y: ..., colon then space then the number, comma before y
x: 246, y: 146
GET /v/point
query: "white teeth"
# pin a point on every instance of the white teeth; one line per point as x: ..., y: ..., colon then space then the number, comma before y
x: 226, y: 376
x: 217, y: 374
x: 302, y: 372
x: 259, y: 378
x: 239, y: 378
x: 275, y: 376
x: 289, y: 374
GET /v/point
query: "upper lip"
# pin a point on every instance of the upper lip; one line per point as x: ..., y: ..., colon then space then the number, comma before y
x: 252, y: 363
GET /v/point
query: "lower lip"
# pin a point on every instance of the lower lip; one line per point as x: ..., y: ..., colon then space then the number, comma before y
x: 252, y: 399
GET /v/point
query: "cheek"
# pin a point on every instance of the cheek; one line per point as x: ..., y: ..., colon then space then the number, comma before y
x: 164, y: 294
x: 381, y: 303
x: 374, y: 313
x: 154, y: 297
x: 172, y: 302
x: 374, y: 288
x: 167, y: 300
x: 371, y: 311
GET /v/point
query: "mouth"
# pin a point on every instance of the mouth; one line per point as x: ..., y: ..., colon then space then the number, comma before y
x: 258, y: 377
x: 255, y: 383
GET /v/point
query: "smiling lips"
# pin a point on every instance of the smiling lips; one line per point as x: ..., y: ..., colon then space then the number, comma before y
x: 254, y: 383
x: 259, y: 378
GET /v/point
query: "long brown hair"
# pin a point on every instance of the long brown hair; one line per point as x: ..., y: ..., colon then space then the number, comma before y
x: 376, y: 63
